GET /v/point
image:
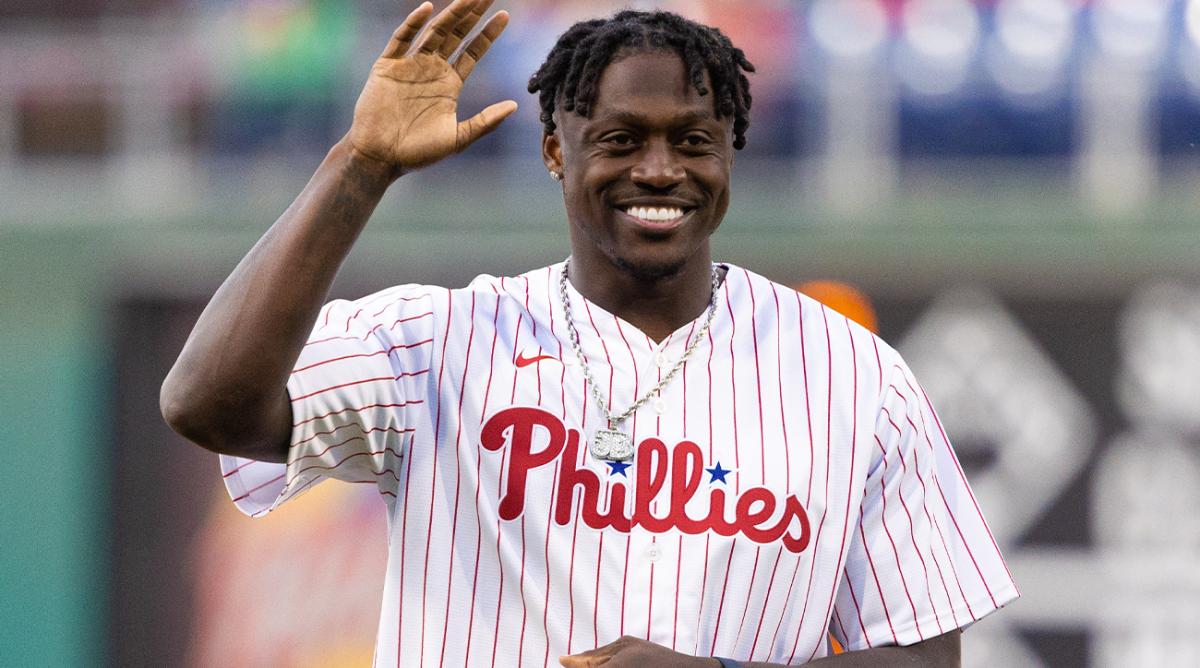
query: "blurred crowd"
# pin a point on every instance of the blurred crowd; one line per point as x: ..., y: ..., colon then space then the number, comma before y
x: 983, y: 78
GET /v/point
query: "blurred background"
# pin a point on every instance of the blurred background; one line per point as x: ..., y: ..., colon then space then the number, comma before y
x: 1011, y: 186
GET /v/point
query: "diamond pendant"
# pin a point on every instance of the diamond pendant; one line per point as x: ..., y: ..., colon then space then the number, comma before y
x: 612, y: 445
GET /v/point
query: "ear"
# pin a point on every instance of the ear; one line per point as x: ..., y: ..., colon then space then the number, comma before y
x: 552, y: 152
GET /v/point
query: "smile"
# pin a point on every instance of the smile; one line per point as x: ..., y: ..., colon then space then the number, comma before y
x: 660, y: 218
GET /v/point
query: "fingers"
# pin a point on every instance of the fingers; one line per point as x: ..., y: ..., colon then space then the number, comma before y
x: 579, y: 661
x: 593, y: 657
x: 480, y: 44
x: 403, y: 36
x: 470, y: 130
x: 463, y: 28
x: 442, y: 25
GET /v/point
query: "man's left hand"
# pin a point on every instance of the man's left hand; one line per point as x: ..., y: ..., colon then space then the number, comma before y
x: 630, y: 651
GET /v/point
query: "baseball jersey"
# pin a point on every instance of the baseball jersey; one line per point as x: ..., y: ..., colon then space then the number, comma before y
x: 791, y: 480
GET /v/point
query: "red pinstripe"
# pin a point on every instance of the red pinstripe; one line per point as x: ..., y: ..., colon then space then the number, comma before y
x: 766, y: 603
x: 391, y: 430
x: 762, y: 444
x: 703, y: 588
x: 895, y: 551
x: 963, y: 477
x: 787, y: 597
x: 721, y: 604
x: 879, y: 587
x: 824, y: 506
x: 807, y: 399
x: 500, y: 589
x: 737, y: 640
x: 340, y: 427
x: 315, y: 467
x: 521, y: 579
x: 385, y: 351
x: 546, y: 548
x: 611, y: 370
x: 858, y: 611
x: 359, y: 409
x: 650, y: 603
x: 596, y: 589
x: 932, y: 519
x: 762, y: 440
x: 562, y: 382
x: 385, y: 307
x: 369, y: 332
x: 462, y: 393
x: 406, y: 374
x: 928, y: 496
x: 911, y: 526
x: 737, y: 457
x: 403, y: 554
x: 633, y: 431
x: 787, y: 450
x: 386, y: 294
x: 838, y: 618
x: 707, y: 537
x: 853, y: 449
x: 437, y: 434
x: 866, y: 544
x: 479, y: 479
x: 678, y: 568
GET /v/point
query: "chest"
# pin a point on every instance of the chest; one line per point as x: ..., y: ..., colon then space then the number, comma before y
x: 748, y: 437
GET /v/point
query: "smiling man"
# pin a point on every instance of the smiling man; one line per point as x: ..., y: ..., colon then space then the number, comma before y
x: 632, y: 457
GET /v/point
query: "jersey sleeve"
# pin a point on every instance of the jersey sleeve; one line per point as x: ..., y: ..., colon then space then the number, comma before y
x: 922, y: 560
x: 356, y: 392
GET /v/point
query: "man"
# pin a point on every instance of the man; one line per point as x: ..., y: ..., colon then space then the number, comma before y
x: 634, y: 457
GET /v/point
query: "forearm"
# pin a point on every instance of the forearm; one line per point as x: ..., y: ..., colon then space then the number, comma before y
x: 227, y: 390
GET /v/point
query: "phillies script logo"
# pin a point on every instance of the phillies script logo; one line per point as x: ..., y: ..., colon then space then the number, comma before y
x: 757, y: 514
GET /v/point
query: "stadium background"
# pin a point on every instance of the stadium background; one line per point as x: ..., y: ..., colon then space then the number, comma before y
x: 1012, y: 182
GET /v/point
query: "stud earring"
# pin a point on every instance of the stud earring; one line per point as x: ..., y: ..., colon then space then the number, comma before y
x: 556, y: 176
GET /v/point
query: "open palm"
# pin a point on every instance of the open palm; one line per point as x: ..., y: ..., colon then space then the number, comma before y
x: 406, y: 115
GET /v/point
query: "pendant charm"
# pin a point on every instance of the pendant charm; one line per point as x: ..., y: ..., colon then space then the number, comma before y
x: 612, y: 445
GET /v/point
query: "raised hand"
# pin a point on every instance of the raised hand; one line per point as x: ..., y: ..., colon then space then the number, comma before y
x: 406, y: 115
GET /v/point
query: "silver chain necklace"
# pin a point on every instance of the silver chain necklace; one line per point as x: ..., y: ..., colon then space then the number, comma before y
x: 611, y: 443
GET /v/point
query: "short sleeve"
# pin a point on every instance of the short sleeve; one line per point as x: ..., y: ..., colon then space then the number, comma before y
x: 922, y: 560
x: 356, y: 392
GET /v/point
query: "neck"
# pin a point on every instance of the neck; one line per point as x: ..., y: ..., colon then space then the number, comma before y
x: 657, y: 306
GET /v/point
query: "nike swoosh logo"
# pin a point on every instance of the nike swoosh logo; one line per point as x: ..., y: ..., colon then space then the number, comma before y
x: 523, y: 361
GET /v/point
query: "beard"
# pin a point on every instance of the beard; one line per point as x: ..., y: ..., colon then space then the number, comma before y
x: 649, y: 272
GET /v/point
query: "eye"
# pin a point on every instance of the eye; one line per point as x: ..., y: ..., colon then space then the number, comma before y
x: 619, y: 139
x: 696, y: 140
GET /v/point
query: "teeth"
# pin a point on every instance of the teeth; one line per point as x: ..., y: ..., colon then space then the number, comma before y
x: 657, y: 214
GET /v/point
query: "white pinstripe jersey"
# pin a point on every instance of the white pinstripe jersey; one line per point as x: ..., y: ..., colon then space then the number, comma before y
x: 793, y: 479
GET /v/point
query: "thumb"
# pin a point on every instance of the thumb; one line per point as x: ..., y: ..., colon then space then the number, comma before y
x: 482, y: 123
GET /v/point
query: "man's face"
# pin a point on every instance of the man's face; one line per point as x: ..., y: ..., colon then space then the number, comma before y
x: 646, y: 178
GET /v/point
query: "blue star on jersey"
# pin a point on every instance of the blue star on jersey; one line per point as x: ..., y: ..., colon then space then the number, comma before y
x: 717, y: 473
x: 618, y: 468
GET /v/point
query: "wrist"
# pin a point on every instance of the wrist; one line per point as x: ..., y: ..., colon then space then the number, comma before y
x: 362, y: 165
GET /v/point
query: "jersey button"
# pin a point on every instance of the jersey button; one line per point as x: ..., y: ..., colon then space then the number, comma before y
x: 654, y: 552
x: 660, y: 406
x: 660, y: 359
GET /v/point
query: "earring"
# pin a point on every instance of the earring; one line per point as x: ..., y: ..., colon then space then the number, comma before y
x: 556, y: 176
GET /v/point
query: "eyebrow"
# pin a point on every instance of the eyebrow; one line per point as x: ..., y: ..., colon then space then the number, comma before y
x: 630, y: 117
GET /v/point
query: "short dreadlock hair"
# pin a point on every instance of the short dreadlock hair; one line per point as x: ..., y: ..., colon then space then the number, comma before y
x: 572, y: 69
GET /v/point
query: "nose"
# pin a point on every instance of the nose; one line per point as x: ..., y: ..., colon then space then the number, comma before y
x: 659, y: 167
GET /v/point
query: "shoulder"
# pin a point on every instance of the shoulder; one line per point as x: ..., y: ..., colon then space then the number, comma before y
x: 809, y: 323
x: 535, y: 280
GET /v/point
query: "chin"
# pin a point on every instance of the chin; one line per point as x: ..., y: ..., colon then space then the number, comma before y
x: 649, y: 270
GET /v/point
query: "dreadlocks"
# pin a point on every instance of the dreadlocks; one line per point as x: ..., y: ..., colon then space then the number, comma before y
x: 572, y: 69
